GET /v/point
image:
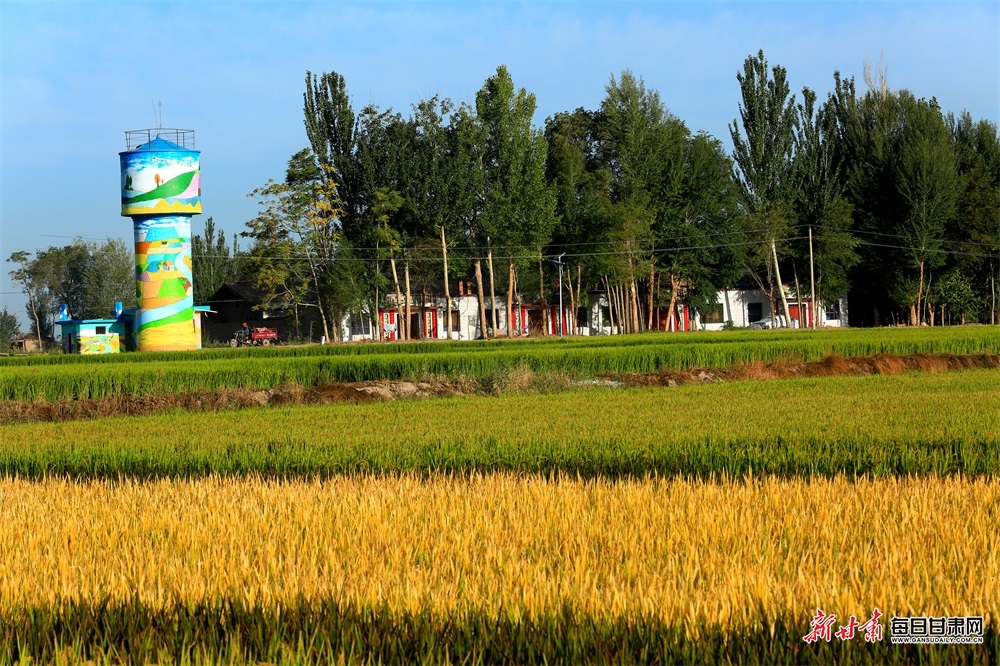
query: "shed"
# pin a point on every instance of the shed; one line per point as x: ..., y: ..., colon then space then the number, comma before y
x: 93, y: 336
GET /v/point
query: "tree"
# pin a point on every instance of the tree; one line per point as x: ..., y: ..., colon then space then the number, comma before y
x: 108, y: 279
x: 764, y: 158
x: 518, y: 206
x: 9, y: 329
x: 929, y: 185
x: 214, y: 262
x: 63, y: 270
x: 866, y: 142
x: 704, y: 252
x: 642, y: 146
x: 53, y: 277
x: 581, y: 186
x: 330, y: 124
x: 298, y: 243
x: 976, y: 224
x: 820, y: 200
x: 39, y: 302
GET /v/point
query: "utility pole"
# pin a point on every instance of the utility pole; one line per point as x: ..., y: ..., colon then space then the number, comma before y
x: 559, y: 262
x: 447, y: 289
x: 812, y: 283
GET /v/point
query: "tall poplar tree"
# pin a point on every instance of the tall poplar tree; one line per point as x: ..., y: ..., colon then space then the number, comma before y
x: 518, y: 206
x: 929, y: 184
x: 763, y: 153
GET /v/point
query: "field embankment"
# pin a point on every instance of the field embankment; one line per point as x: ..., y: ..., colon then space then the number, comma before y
x: 117, y: 375
x: 929, y: 424
x: 515, y: 380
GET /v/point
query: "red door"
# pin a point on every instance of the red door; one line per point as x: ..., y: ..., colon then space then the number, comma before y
x: 430, y: 324
x: 389, y: 328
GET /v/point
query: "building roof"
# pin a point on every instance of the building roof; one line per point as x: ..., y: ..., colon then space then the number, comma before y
x: 239, y: 291
x: 159, y: 143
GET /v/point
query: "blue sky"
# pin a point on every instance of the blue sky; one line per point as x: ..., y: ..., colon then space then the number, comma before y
x: 76, y: 75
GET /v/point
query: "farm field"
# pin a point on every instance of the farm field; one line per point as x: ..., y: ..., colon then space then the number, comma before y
x: 495, y: 567
x: 76, y: 377
x: 941, y: 423
x: 705, y: 522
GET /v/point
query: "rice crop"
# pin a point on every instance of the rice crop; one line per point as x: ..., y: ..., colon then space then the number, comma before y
x: 75, y: 377
x: 928, y: 424
x: 497, y: 567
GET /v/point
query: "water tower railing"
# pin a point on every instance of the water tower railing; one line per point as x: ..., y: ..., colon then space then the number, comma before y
x: 182, y: 137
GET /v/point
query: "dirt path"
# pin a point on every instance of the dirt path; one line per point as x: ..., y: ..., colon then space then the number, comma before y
x: 517, y: 380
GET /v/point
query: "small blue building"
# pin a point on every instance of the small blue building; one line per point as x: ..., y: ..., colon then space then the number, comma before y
x: 108, y: 336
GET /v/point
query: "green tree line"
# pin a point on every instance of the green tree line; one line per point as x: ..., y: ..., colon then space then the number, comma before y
x: 876, y: 195
x: 896, y: 201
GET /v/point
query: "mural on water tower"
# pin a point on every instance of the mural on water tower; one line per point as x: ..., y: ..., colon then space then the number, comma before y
x: 161, y: 190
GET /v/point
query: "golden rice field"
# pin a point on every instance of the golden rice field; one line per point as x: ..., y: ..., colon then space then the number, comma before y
x: 698, y: 556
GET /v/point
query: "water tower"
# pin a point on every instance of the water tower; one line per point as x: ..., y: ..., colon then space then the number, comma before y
x: 161, y: 191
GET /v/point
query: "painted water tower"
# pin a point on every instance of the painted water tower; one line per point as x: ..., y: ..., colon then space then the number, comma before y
x: 161, y: 190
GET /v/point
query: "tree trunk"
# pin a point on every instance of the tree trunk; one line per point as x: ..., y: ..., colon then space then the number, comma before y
x: 399, y: 302
x: 611, y: 310
x: 812, y: 283
x: 818, y: 298
x: 378, y: 316
x: 633, y: 319
x: 652, y: 284
x: 636, y: 323
x: 579, y: 281
x: 541, y: 295
x: 623, y: 308
x: 624, y: 321
x: 482, y: 299
x: 447, y: 288
x: 993, y: 304
x: 798, y: 299
x: 319, y: 300
x: 510, y: 299
x: 781, y: 288
x: 672, y: 325
x: 572, y: 302
x: 38, y: 323
x: 493, y: 294
x: 423, y: 312
x: 920, y: 294
x: 613, y: 303
x: 409, y: 299
x: 659, y: 294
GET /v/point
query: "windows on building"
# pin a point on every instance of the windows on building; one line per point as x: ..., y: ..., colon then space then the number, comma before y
x: 712, y: 316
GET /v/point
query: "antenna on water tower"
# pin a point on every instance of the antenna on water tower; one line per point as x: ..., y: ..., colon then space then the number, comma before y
x: 158, y: 115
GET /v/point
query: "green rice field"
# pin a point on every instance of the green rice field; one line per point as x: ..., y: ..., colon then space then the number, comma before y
x: 59, y: 377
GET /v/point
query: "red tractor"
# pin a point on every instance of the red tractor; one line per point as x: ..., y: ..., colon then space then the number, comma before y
x: 254, y: 336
